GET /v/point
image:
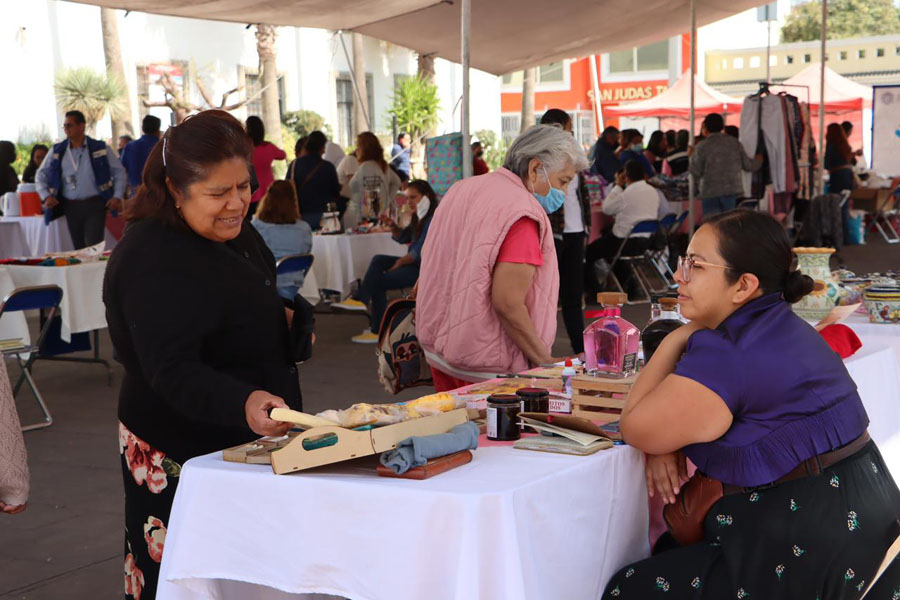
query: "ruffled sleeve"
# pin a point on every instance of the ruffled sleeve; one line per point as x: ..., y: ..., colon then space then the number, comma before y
x: 711, y: 360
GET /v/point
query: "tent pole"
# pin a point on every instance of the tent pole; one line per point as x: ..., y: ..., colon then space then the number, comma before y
x: 691, y: 127
x: 466, y: 10
x: 352, y: 67
x: 821, y: 170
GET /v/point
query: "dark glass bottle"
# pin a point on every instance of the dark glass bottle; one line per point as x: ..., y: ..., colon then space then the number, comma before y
x: 668, y: 320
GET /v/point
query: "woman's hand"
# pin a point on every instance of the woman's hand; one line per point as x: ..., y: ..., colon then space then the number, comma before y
x: 12, y: 509
x: 257, y: 408
x: 665, y: 474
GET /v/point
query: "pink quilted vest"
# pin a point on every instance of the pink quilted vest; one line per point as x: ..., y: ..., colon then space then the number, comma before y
x: 455, y: 320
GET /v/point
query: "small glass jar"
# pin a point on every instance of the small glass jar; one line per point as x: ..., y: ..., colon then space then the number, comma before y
x: 533, y: 400
x: 503, y: 417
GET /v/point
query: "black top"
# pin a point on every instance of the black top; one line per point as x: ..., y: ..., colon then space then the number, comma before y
x: 9, y: 181
x: 317, y: 183
x: 606, y: 162
x: 198, y: 326
x: 834, y: 159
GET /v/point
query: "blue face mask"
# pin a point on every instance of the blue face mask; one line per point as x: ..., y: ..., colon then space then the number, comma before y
x: 554, y: 199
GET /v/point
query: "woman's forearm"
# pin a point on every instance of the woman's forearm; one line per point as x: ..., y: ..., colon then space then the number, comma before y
x: 518, y: 325
x: 660, y: 366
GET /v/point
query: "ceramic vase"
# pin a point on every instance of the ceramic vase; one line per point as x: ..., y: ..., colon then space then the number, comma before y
x: 826, y: 293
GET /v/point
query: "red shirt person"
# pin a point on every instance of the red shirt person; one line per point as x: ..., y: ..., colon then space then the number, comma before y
x: 264, y: 153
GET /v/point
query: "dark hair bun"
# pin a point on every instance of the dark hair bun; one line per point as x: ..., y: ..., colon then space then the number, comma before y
x: 797, y: 286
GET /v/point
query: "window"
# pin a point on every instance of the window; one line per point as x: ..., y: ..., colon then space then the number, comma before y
x: 252, y: 90
x: 552, y: 73
x: 724, y: 63
x: 879, y: 52
x: 773, y: 61
x: 346, y: 98
x: 860, y: 54
x: 511, y: 78
x: 755, y: 61
x: 843, y: 55
x: 739, y: 62
x: 654, y: 57
x: 509, y: 126
x: 807, y: 58
x: 789, y: 59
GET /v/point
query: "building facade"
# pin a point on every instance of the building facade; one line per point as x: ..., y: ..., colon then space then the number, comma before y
x: 39, y: 38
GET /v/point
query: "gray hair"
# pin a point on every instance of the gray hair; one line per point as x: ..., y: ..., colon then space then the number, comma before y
x: 555, y: 148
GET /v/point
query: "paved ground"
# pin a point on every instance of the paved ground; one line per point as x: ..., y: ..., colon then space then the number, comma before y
x: 68, y: 544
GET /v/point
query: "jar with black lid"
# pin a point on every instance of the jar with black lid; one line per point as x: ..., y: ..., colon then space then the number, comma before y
x: 533, y: 400
x: 503, y: 417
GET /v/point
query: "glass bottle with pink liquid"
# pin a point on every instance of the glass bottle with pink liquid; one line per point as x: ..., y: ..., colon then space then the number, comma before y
x: 611, y: 343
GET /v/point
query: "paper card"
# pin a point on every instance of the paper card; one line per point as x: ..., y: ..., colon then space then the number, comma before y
x: 837, y: 314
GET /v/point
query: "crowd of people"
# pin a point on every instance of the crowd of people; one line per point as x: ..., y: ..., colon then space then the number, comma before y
x: 489, y: 262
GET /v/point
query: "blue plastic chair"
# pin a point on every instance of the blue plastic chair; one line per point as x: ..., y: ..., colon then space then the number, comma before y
x: 294, y: 263
x: 44, y: 297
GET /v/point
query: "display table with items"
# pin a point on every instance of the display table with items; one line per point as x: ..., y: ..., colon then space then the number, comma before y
x: 43, y: 238
x: 344, y: 258
x: 510, y: 524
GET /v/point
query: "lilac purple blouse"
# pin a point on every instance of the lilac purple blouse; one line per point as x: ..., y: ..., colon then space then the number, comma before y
x: 790, y: 394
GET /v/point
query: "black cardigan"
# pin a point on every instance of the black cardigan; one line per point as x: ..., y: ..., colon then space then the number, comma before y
x: 198, y: 326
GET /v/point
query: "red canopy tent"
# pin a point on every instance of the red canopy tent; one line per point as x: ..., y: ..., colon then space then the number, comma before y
x: 676, y: 102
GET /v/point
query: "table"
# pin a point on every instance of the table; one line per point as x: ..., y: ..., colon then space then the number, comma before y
x: 342, y: 259
x: 42, y: 239
x: 82, y: 306
x: 874, y: 333
x: 878, y: 202
x: 876, y: 371
x: 512, y: 524
x: 12, y: 241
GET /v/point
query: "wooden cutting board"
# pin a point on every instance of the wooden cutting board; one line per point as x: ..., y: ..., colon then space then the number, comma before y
x: 433, y: 467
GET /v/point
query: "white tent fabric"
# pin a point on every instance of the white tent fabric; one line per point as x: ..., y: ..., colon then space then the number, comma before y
x: 506, y: 34
x: 676, y: 101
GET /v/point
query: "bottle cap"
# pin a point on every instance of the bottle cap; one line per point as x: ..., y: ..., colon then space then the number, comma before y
x: 530, y: 393
x: 612, y: 298
x: 669, y: 303
x: 568, y: 362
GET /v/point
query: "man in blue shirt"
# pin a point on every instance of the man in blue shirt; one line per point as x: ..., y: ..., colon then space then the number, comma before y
x: 400, y: 156
x: 134, y: 155
x: 81, y: 178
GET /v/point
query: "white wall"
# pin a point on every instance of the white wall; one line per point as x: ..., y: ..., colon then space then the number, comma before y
x: 39, y: 37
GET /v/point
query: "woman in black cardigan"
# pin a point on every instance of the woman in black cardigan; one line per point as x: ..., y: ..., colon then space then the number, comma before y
x: 196, y: 320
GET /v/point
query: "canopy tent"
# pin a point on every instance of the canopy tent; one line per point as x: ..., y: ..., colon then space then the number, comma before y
x: 506, y: 35
x: 841, y: 94
x: 676, y: 102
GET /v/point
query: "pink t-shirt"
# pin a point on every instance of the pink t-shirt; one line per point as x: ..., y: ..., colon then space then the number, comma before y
x: 522, y: 244
x: 263, y: 155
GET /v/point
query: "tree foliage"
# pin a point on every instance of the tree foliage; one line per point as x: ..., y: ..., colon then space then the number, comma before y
x: 846, y: 19
x: 415, y: 104
x: 304, y: 122
x: 91, y: 92
x: 494, y: 146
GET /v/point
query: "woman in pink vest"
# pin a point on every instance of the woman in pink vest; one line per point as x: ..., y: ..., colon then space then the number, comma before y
x: 489, y: 283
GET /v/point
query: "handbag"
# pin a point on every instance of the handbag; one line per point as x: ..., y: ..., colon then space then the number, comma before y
x: 302, y: 327
x: 401, y: 362
x: 685, y: 518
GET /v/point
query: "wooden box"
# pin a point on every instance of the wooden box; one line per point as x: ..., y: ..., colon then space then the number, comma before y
x: 600, y: 399
x: 327, y: 445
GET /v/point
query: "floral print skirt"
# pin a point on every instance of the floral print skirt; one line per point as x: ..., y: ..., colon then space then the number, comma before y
x: 150, y: 479
x: 816, y: 538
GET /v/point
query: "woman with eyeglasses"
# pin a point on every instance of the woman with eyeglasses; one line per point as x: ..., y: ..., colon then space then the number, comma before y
x: 799, y: 503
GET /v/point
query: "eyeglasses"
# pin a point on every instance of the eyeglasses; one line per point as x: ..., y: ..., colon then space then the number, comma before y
x: 686, y: 264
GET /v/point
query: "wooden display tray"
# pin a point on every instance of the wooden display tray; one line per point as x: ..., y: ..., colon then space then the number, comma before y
x: 335, y: 444
x: 600, y: 399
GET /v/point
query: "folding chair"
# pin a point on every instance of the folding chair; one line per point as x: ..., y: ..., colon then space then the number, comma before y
x: 668, y: 226
x: 650, y: 226
x: 294, y: 263
x: 44, y: 297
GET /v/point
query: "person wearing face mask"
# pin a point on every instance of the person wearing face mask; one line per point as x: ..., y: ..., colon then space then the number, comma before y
x: 479, y: 167
x: 389, y: 272
x: 633, y: 149
x: 489, y: 283
x: 630, y: 201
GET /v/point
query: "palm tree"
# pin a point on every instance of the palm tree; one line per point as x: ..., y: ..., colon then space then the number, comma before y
x: 268, y: 78
x: 112, y: 49
x: 92, y: 93
x: 415, y: 104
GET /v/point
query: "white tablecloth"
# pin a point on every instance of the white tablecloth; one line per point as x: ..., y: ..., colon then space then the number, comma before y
x: 54, y: 237
x: 876, y: 371
x: 12, y: 240
x: 342, y: 259
x: 82, y: 306
x: 874, y: 333
x: 512, y: 524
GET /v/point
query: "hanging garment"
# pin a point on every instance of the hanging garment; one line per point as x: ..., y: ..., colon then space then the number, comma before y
x: 768, y: 118
x: 803, y: 162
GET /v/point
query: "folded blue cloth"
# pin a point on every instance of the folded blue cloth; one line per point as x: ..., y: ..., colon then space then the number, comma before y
x: 415, y: 451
